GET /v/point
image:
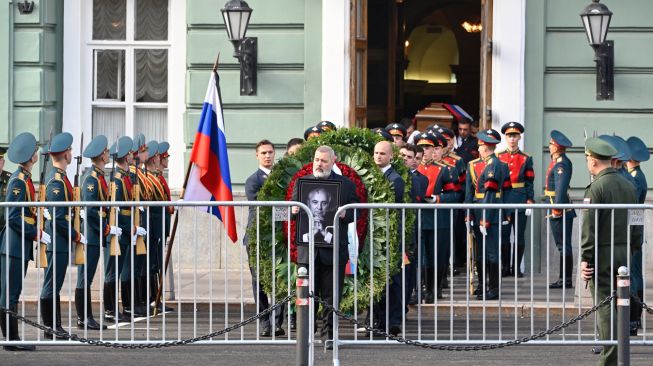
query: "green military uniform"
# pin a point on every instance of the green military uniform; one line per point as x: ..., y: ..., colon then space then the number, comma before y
x: 4, y: 180
x: 609, y: 186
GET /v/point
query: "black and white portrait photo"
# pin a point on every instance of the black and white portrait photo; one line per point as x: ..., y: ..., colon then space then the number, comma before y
x: 322, y: 199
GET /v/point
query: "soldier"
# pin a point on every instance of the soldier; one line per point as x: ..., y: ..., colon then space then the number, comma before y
x: 326, y: 126
x: 94, y: 189
x: 164, y: 155
x: 558, y: 177
x: 17, y: 237
x: 311, y: 132
x: 58, y: 189
x: 381, y: 132
x: 520, y: 165
x: 127, y: 278
x: 603, y: 254
x: 398, y: 133
x: 487, y: 180
x: 4, y: 179
x: 113, y: 265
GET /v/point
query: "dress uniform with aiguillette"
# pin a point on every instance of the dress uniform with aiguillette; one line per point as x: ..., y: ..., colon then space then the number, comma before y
x: 64, y: 236
x: 520, y: 165
x: 155, y: 223
x: 608, y: 186
x: 17, y: 237
x: 556, y: 186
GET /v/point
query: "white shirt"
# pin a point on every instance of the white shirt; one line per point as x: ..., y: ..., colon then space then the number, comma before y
x: 385, y: 168
x: 265, y: 170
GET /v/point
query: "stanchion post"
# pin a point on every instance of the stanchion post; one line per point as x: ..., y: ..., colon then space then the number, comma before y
x: 301, y: 307
x: 623, y: 316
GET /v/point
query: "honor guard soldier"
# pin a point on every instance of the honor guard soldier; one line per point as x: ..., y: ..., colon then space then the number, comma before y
x: 128, y: 278
x: 164, y: 155
x: 558, y: 177
x: 608, y: 250
x: 638, y: 154
x: 312, y: 132
x: 381, y: 132
x: 487, y: 181
x: 156, y: 217
x: 326, y: 126
x: 114, y: 257
x: 17, y: 237
x: 4, y: 179
x: 398, y: 133
x: 520, y: 165
x: 97, y: 229
x: 58, y: 189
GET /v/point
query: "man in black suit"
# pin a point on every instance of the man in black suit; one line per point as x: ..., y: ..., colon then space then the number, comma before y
x: 253, y: 184
x: 323, y: 162
x: 466, y: 144
x: 382, y: 158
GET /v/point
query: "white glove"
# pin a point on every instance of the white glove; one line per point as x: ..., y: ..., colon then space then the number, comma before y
x: 140, y: 231
x: 45, y: 238
x: 483, y: 230
x: 134, y: 240
x: 46, y: 214
x: 529, y: 211
x: 82, y: 214
x: 82, y: 239
x: 468, y: 224
x: 141, y: 209
x: 504, y: 223
x: 115, y: 230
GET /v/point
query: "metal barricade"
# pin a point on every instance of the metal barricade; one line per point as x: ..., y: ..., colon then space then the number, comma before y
x: 526, y: 310
x: 210, y: 279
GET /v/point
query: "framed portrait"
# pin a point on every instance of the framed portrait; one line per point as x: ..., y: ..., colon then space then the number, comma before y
x: 322, y: 197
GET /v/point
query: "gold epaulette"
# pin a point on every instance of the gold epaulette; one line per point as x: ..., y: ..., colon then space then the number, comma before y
x: 454, y: 155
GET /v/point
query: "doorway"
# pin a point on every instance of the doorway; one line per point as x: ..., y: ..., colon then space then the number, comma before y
x: 406, y: 54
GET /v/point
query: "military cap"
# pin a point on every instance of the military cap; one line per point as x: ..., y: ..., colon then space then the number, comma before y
x: 599, y: 148
x: 638, y: 149
x: 446, y: 132
x: 3, y: 151
x: 60, y: 143
x: 623, y: 151
x: 440, y: 140
x: 383, y: 133
x: 139, y: 143
x: 512, y: 127
x: 22, y: 148
x: 112, y: 149
x: 559, y: 139
x: 153, y: 148
x: 96, y: 147
x: 164, y: 146
x: 485, y: 138
x: 494, y: 133
x: 326, y: 126
x: 123, y: 146
x: 312, y: 132
x: 427, y: 139
x: 396, y: 129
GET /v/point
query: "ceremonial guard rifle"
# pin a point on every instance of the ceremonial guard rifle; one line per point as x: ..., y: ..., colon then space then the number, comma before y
x: 140, y: 242
x: 114, y: 248
x: 43, y: 259
x: 77, y: 194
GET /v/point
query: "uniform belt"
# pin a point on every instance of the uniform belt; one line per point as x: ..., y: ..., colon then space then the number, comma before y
x: 126, y: 212
x: 29, y: 220
x: 550, y: 193
x: 519, y: 185
x: 482, y: 195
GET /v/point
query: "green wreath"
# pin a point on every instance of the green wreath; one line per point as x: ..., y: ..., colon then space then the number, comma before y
x: 354, y: 147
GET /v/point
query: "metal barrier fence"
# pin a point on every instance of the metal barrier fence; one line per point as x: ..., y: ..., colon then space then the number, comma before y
x: 523, y: 307
x: 225, y: 303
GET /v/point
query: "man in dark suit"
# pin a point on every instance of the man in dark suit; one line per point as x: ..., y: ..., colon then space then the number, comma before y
x: 253, y: 184
x: 466, y: 144
x: 323, y: 162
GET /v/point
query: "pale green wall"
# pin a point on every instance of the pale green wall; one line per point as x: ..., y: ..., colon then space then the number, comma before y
x: 37, y: 71
x: 289, y: 75
x: 561, y: 81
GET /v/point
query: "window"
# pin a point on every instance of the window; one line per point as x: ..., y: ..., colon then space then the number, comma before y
x: 129, y: 49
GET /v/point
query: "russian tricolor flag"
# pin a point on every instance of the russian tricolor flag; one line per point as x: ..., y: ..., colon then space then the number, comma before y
x: 209, y: 179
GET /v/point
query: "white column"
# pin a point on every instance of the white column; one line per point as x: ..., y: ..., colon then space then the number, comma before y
x: 508, y: 44
x: 176, y: 93
x: 335, y: 61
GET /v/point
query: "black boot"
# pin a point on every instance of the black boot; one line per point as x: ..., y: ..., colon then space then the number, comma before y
x: 46, y: 314
x: 110, y: 312
x: 493, y: 282
x: 140, y: 290
x: 154, y: 290
x: 11, y: 331
x: 505, y: 258
x: 428, y: 297
x: 520, y: 257
x: 478, y: 292
x: 569, y: 271
x: 558, y: 283
x: 58, y: 316
x: 87, y: 321
x: 125, y: 296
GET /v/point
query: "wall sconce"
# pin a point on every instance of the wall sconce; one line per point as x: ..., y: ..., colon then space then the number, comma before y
x: 471, y: 27
x: 596, y: 19
x: 26, y: 7
x: 236, y: 14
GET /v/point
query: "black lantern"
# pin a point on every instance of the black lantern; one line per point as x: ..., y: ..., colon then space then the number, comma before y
x: 596, y: 20
x: 236, y: 15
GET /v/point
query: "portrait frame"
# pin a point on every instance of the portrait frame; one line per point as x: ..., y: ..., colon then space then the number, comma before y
x: 323, y: 199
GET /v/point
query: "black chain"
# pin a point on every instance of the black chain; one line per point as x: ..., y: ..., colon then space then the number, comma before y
x: 646, y: 307
x: 481, y: 347
x: 97, y: 342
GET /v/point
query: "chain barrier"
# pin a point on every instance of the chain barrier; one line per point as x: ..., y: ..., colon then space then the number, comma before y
x: 643, y: 304
x: 96, y: 342
x: 481, y: 347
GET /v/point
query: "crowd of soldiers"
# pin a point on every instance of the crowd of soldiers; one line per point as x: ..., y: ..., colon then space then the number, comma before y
x: 132, y: 237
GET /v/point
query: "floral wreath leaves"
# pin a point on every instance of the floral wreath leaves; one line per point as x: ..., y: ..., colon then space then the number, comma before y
x: 354, y: 148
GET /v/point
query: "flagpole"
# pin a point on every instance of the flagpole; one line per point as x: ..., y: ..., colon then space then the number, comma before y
x: 173, y: 231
